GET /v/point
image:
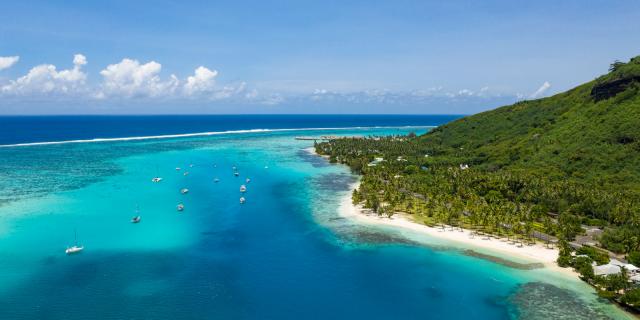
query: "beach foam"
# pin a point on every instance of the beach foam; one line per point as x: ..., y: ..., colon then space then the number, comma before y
x: 197, y: 134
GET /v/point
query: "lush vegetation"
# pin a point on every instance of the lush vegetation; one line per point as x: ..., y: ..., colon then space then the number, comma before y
x: 536, y: 169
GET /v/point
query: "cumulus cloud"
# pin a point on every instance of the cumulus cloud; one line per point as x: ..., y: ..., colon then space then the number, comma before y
x: 46, y: 79
x: 7, y: 62
x: 202, y: 81
x: 129, y: 78
x: 543, y: 88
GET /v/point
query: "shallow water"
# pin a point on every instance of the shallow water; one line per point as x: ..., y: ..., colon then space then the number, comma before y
x: 285, y: 253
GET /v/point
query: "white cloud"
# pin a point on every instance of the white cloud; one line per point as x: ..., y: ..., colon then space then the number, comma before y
x: 46, y: 79
x: 7, y: 62
x: 129, y: 78
x: 543, y: 88
x: 202, y: 81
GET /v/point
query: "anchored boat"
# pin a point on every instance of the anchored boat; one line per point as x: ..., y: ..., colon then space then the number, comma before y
x: 75, y: 248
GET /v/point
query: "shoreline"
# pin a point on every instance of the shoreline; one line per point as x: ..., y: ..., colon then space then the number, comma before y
x: 494, y: 247
x: 463, y: 240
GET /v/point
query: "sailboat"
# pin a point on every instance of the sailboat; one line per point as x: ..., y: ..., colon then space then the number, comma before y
x: 156, y: 178
x: 180, y: 207
x: 242, y: 200
x: 243, y: 188
x: 75, y: 248
x: 184, y: 190
x: 137, y: 217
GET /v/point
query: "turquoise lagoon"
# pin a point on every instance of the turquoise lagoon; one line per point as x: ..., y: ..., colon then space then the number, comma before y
x: 284, y: 254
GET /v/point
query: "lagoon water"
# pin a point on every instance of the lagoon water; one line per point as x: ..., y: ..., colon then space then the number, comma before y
x: 284, y: 254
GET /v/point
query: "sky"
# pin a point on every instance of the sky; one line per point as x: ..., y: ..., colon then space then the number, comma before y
x: 416, y: 57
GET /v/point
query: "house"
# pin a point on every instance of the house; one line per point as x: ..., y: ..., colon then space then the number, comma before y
x: 606, y: 269
x: 464, y: 166
x: 614, y: 267
x: 375, y: 161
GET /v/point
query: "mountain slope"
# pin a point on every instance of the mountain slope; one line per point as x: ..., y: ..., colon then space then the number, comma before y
x: 590, y: 133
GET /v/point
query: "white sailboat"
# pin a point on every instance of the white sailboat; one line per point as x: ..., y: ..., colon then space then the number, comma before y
x: 242, y: 200
x: 184, y: 190
x: 180, y: 207
x: 243, y: 188
x: 157, y: 177
x: 137, y: 217
x: 75, y: 248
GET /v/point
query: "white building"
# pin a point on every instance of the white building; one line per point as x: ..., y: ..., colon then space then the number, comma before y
x: 614, y: 267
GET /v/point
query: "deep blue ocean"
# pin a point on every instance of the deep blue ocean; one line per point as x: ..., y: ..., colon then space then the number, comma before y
x: 286, y: 253
x: 25, y: 129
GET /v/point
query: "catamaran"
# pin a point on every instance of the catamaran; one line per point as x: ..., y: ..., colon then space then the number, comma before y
x: 75, y: 248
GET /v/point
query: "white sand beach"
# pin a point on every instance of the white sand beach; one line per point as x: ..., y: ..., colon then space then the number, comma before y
x: 537, y: 253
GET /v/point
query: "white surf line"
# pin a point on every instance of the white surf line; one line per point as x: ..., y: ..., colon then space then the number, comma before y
x: 198, y: 134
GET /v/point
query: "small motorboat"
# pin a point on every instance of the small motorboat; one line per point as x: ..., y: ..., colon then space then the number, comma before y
x: 180, y: 207
x: 242, y: 200
x: 184, y: 190
x: 178, y: 168
x: 236, y: 173
x: 266, y: 167
x: 191, y: 165
x: 234, y: 168
x: 186, y: 173
x: 216, y: 180
x: 247, y: 180
x: 156, y: 179
x: 243, y: 188
x: 135, y: 219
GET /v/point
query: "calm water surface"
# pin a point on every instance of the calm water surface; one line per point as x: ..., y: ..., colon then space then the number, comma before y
x: 284, y: 254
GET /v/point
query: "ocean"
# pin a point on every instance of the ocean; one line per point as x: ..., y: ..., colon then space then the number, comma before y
x: 283, y: 254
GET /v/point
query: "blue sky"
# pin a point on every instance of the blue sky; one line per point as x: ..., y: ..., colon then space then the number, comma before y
x: 303, y: 56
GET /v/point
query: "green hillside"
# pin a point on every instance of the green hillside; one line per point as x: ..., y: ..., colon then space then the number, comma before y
x: 589, y: 133
x: 546, y: 168
x: 573, y: 158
